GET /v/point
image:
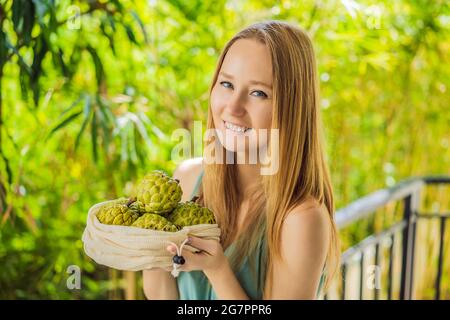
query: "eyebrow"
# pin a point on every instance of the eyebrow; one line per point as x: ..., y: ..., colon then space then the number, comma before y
x: 252, y: 82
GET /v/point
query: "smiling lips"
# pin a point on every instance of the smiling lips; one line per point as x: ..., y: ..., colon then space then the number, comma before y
x: 235, y: 127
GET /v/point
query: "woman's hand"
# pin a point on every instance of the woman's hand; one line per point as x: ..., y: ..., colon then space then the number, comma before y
x: 214, y: 264
x: 210, y: 259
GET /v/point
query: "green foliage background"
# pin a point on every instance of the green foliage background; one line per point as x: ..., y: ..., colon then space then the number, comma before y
x: 88, y: 105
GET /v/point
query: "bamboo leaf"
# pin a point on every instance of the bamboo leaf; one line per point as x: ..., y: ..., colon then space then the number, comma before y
x: 118, y: 5
x: 94, y: 136
x: 132, y: 144
x: 108, y: 36
x: 107, y: 121
x: 86, y: 115
x: 75, y: 57
x: 22, y: 63
x: 107, y: 106
x: 106, y: 111
x: 3, y: 49
x: 73, y: 105
x: 111, y: 22
x: 23, y: 18
x: 36, y: 91
x: 124, y: 141
x: 24, y: 80
x: 150, y: 124
x: 142, y: 130
x: 130, y: 34
x: 64, y: 123
x: 28, y: 21
x: 99, y: 70
x: 105, y: 128
x: 40, y: 50
x: 16, y: 14
x: 59, y: 56
x: 42, y: 8
x: 141, y: 25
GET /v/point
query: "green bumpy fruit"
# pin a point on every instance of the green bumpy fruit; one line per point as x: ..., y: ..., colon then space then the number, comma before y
x: 138, y: 207
x: 117, y: 213
x: 155, y: 222
x: 159, y: 193
x: 130, y: 202
x: 121, y: 200
x: 190, y: 213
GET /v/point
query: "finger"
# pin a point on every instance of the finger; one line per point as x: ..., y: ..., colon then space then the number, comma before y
x: 209, y: 246
x: 191, y: 261
x: 171, y: 249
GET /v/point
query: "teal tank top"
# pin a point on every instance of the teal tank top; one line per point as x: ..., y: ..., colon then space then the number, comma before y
x: 194, y: 285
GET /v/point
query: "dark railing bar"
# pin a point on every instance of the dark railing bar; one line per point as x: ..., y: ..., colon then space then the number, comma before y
x: 369, y: 204
x: 371, y: 240
x: 445, y: 215
x: 407, y: 191
x: 436, y: 179
x: 408, y: 213
x: 377, y: 262
x: 361, y: 276
x: 344, y: 275
x: 391, y: 269
x: 441, y: 254
x: 413, y: 251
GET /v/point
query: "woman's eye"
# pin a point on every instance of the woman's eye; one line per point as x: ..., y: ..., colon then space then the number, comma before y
x: 226, y: 84
x: 260, y: 94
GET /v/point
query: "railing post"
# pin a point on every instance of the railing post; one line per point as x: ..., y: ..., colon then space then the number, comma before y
x: 411, y: 203
x: 415, y: 203
x: 437, y: 295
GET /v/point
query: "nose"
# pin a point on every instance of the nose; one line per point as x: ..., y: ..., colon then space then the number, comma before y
x: 236, y: 106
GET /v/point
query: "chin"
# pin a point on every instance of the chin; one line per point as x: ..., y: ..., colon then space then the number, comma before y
x: 229, y: 144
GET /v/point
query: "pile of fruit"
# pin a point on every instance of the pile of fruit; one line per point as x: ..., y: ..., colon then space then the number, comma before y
x: 156, y: 206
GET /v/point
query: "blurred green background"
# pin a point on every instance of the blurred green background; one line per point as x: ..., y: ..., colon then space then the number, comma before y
x: 91, y: 91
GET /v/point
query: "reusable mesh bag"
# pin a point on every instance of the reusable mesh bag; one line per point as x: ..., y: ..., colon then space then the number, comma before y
x: 135, y: 249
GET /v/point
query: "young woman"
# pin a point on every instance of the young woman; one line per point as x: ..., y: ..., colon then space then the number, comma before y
x: 278, y: 236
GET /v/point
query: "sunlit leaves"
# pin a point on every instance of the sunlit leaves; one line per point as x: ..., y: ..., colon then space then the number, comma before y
x: 133, y: 132
x: 110, y: 93
x: 36, y: 28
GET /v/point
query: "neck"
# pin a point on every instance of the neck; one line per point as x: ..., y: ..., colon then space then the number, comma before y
x: 247, y: 178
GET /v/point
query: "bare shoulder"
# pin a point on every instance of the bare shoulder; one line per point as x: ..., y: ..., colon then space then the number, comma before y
x: 309, y: 212
x: 307, y: 224
x: 187, y: 173
x: 308, y: 220
x: 305, y: 235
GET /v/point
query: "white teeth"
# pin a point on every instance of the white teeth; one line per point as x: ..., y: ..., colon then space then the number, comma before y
x: 235, y: 127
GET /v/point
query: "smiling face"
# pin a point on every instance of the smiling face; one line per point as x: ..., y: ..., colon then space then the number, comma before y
x: 241, y: 99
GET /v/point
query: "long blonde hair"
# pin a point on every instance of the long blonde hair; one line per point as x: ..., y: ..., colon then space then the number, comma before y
x: 302, y: 170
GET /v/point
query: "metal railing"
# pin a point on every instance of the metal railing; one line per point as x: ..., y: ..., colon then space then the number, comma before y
x: 408, y: 193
